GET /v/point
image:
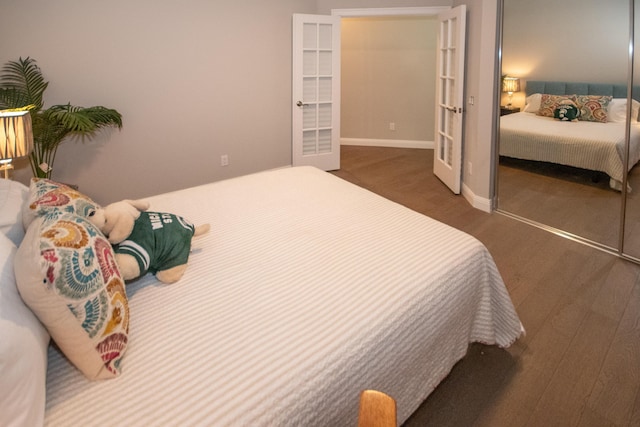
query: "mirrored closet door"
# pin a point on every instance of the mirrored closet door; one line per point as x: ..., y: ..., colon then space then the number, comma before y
x: 566, y: 130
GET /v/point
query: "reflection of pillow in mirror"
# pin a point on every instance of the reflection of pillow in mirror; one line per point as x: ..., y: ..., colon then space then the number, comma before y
x: 549, y: 103
x: 532, y: 103
x: 618, y: 110
x: 593, y: 108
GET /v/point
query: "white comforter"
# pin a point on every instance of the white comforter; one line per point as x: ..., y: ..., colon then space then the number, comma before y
x: 307, y: 290
x: 587, y: 145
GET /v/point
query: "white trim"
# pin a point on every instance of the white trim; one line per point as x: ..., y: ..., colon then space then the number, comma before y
x: 390, y: 11
x: 397, y: 143
x: 475, y: 201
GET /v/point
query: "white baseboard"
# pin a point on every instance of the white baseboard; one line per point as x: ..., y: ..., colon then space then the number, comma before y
x: 475, y: 201
x: 397, y: 143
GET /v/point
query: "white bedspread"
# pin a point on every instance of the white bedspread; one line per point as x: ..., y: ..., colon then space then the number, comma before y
x: 587, y: 145
x: 307, y: 290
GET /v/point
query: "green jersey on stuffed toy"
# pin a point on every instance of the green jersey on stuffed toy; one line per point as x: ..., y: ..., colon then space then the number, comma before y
x: 566, y: 113
x: 159, y: 241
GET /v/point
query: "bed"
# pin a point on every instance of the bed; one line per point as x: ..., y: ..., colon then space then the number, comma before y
x: 593, y: 143
x: 307, y: 290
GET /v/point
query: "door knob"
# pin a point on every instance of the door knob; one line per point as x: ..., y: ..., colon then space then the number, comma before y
x: 300, y: 104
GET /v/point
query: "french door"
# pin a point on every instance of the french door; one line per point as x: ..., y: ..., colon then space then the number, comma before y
x: 447, y: 159
x: 316, y: 91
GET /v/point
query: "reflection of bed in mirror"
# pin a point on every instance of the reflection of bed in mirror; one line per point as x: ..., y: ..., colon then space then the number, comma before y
x: 594, y: 143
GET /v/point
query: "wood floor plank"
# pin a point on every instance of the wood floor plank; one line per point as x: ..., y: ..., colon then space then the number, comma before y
x: 484, y: 369
x: 563, y: 401
x: 635, y: 417
x: 534, y: 190
x: 592, y: 418
x: 564, y: 289
x: 620, y: 284
x: 546, y: 345
x: 617, y: 389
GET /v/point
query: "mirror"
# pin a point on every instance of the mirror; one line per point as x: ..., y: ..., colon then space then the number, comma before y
x: 560, y: 173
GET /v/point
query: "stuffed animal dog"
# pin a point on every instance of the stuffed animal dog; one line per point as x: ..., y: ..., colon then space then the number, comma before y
x: 145, y: 241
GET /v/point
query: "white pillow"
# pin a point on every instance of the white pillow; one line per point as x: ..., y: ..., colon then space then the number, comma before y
x: 618, y: 110
x: 13, y: 196
x: 23, y: 351
x: 532, y: 103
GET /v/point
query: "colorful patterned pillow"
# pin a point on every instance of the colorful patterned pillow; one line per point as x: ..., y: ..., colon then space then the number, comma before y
x: 52, y: 199
x: 549, y: 103
x: 594, y: 108
x: 66, y: 273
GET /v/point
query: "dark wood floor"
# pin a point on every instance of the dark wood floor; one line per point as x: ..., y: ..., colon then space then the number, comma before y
x: 579, y: 363
x: 575, y: 200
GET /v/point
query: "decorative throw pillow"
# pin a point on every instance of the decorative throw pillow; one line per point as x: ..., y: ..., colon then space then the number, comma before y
x: 593, y: 108
x: 549, y: 103
x: 618, y: 110
x: 52, y: 199
x: 532, y: 103
x: 66, y: 274
x: 23, y: 351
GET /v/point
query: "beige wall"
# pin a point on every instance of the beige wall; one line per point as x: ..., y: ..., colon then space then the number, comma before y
x: 388, y: 76
x: 193, y: 80
x: 478, y: 149
x: 581, y: 41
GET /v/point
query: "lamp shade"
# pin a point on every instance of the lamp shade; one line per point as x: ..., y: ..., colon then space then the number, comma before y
x: 16, y: 136
x: 511, y: 84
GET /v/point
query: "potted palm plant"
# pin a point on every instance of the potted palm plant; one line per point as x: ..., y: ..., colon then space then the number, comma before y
x: 22, y: 86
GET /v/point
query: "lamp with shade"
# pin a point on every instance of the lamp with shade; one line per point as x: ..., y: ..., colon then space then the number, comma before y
x: 16, y: 138
x: 510, y: 85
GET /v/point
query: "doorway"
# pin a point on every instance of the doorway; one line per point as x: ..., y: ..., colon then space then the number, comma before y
x: 388, y: 76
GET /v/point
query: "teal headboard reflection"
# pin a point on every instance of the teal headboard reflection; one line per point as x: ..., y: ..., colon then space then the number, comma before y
x: 573, y: 88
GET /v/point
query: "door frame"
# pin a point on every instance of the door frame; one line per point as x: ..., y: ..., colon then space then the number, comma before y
x: 485, y: 170
x: 390, y: 11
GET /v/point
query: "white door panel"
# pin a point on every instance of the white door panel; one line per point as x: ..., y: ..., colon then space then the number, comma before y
x: 316, y: 91
x: 447, y: 164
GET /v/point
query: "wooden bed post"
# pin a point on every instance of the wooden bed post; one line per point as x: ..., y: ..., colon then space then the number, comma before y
x: 377, y: 409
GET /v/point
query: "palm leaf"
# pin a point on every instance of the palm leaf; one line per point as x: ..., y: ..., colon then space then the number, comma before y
x: 85, y: 120
x: 12, y: 98
x: 48, y: 131
x: 22, y: 82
